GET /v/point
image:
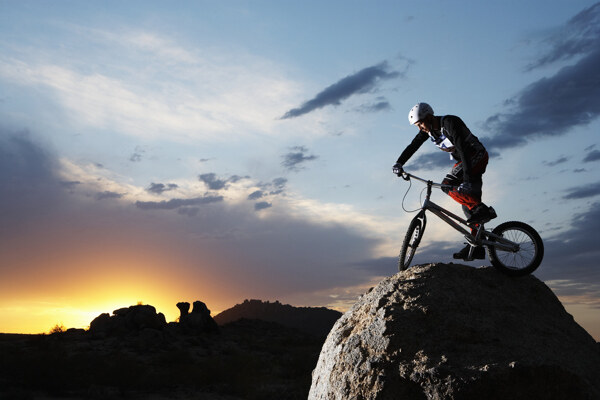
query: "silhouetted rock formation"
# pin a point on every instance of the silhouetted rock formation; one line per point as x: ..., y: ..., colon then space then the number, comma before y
x: 446, y: 331
x: 199, y: 320
x: 139, y: 318
x: 127, y: 320
x: 312, y: 320
x: 184, y: 309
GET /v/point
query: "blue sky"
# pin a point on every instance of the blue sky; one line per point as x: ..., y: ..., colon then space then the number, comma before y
x: 229, y: 150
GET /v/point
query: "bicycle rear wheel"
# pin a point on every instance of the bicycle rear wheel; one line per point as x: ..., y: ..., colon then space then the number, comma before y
x: 411, y: 242
x: 529, y: 255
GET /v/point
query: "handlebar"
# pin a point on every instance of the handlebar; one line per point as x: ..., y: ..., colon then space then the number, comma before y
x: 407, y: 176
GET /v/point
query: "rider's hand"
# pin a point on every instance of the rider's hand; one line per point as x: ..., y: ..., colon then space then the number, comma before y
x: 397, y: 169
x: 465, y: 188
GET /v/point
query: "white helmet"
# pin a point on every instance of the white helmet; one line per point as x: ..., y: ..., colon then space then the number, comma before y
x: 418, y: 112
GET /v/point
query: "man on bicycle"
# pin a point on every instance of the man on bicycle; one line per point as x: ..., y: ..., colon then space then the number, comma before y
x: 450, y: 134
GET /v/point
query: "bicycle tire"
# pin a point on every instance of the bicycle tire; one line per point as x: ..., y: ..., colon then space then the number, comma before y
x: 411, y: 242
x: 529, y: 256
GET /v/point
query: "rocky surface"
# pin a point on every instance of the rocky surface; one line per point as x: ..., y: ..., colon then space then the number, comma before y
x: 446, y: 331
x: 316, y: 321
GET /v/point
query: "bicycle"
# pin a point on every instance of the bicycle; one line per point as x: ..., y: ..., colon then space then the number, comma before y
x: 513, y: 247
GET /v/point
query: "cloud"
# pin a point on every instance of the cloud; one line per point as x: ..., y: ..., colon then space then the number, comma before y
x: 108, y: 195
x: 593, y: 155
x: 256, y: 195
x: 560, y: 160
x: 193, y: 245
x: 201, y: 95
x: 160, y: 188
x: 177, y: 203
x: 574, y: 253
x: 292, y: 161
x: 429, y: 162
x: 580, y: 35
x: 582, y: 192
x: 381, y: 104
x: 277, y: 185
x: 261, y: 205
x: 535, y: 112
x: 363, y: 81
x: 212, y: 181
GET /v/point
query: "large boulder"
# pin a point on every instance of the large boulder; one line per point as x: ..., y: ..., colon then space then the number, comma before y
x: 447, y: 331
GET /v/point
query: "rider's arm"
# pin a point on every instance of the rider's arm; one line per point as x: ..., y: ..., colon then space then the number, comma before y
x: 419, y: 139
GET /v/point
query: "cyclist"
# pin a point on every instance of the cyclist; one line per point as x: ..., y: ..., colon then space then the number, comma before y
x: 450, y: 134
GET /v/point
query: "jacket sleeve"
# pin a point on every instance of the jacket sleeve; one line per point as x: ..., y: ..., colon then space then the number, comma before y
x: 459, y: 133
x: 419, y: 139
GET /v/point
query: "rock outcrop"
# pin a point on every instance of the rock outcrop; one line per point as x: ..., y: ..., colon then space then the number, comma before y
x: 316, y: 321
x: 198, y: 321
x: 127, y: 320
x: 447, y: 331
x: 139, y: 318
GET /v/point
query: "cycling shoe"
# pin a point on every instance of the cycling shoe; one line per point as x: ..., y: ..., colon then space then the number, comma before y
x: 478, y: 253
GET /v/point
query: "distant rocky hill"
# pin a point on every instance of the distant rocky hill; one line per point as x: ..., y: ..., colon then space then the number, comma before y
x: 312, y: 320
x: 447, y: 331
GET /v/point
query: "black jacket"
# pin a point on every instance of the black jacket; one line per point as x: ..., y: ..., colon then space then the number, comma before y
x: 466, y: 145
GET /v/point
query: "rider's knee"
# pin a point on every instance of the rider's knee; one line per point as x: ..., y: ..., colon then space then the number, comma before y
x: 450, y: 180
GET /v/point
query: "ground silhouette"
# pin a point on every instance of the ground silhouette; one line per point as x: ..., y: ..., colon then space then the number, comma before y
x: 135, y: 353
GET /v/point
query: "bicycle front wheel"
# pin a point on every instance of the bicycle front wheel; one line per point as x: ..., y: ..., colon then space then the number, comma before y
x: 530, y: 251
x: 410, y: 243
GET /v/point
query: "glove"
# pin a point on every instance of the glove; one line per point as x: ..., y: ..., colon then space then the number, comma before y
x: 397, y: 169
x: 465, y: 188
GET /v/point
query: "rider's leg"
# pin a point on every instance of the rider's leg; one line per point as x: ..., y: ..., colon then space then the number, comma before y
x: 472, y: 206
x: 470, y: 202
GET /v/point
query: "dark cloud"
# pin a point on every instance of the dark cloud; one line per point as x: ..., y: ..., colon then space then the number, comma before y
x: 552, y: 106
x: 593, y: 155
x: 160, y: 188
x: 363, y: 81
x: 579, y: 36
x: 538, y: 114
x: 278, y: 186
x: 108, y: 195
x: 214, y: 183
x: 258, y: 194
x: 560, y: 160
x: 574, y: 254
x: 176, y: 203
x: 582, y: 192
x: 298, y: 155
x: 261, y: 205
x: 381, y: 104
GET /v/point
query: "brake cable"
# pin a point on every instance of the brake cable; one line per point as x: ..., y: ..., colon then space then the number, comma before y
x: 406, y: 194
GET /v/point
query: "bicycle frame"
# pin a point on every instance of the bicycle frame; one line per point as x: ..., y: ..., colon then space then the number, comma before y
x: 482, y: 236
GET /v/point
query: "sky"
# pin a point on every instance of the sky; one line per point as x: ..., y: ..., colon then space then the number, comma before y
x: 158, y: 152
